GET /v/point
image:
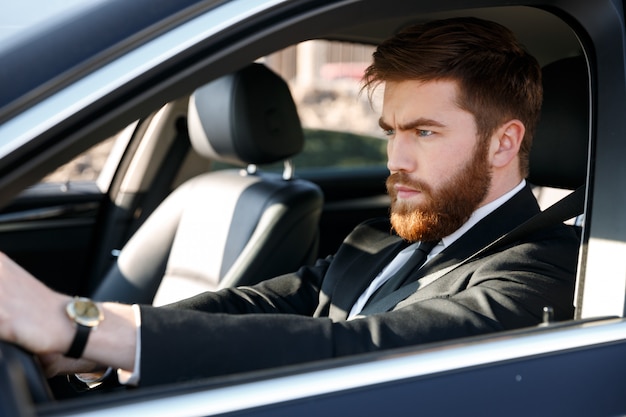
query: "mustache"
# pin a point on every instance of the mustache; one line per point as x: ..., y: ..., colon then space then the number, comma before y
x: 404, y: 179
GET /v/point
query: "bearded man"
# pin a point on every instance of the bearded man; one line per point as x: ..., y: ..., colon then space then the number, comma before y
x: 461, y: 102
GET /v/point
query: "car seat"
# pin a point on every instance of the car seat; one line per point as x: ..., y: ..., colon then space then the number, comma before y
x: 229, y: 227
x: 559, y: 155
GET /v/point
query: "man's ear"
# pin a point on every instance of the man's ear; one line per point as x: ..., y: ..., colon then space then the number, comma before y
x: 506, y: 142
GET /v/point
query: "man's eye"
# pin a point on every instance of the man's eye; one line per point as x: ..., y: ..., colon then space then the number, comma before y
x: 424, y: 133
x: 389, y: 132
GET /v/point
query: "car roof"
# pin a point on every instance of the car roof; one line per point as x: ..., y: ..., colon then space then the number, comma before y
x: 106, y: 29
x: 138, y: 21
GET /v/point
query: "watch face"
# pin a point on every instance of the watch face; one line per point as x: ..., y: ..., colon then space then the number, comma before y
x: 84, y: 311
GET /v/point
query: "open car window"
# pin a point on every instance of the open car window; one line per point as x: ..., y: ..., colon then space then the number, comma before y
x: 340, y: 121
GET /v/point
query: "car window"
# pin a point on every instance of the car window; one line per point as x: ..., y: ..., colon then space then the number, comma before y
x: 340, y: 123
x: 97, y: 164
x: 340, y: 149
x: 85, y: 167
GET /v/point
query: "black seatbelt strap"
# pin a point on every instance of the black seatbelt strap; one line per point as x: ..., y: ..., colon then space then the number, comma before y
x: 568, y: 207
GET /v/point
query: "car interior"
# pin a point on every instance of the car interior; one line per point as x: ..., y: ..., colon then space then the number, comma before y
x: 153, y: 156
x: 161, y: 222
x: 274, y: 218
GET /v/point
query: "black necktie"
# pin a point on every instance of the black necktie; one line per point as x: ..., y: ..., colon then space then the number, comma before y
x: 398, y: 279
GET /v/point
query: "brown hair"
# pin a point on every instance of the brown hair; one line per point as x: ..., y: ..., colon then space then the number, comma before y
x: 498, y: 79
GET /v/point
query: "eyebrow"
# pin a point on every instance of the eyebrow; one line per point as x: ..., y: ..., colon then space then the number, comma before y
x: 412, y: 124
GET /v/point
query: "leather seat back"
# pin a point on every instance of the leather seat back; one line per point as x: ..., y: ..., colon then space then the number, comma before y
x: 559, y: 154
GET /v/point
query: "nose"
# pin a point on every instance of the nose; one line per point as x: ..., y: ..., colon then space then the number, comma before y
x: 399, y: 155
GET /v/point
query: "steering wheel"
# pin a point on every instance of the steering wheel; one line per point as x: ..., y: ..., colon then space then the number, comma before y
x: 23, y: 372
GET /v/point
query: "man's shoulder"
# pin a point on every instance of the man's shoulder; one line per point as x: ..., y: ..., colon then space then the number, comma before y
x: 557, y: 244
x: 561, y: 233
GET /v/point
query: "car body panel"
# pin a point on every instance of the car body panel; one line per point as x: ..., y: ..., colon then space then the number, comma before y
x: 513, y: 374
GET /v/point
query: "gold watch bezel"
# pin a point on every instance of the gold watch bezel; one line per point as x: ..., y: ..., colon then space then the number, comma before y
x: 84, y: 311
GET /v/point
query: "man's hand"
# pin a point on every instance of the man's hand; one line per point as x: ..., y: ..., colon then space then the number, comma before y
x: 33, y: 317
x: 54, y: 364
x: 31, y: 314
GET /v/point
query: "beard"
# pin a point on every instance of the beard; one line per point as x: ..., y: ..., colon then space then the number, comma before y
x: 445, y: 209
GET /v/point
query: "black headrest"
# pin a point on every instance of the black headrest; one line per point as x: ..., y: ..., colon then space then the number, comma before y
x: 247, y: 117
x: 559, y: 153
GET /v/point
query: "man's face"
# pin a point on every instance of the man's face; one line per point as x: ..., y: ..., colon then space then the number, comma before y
x: 440, y: 172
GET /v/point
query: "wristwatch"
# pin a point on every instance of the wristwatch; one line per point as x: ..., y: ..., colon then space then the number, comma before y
x: 86, y: 315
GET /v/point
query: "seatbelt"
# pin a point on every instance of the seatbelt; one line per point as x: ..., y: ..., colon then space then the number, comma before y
x: 568, y: 207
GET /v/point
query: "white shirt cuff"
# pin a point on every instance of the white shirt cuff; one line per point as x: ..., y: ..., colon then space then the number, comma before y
x: 127, y: 377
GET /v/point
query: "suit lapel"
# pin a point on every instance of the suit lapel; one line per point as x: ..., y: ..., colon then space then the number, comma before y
x: 365, y: 264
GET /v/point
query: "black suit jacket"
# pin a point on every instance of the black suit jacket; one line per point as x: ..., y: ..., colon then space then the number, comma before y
x: 301, y: 317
